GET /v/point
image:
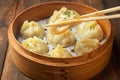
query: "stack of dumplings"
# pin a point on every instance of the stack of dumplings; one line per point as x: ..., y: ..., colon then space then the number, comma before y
x: 66, y: 42
x: 32, y: 34
x: 89, y: 36
x: 67, y: 38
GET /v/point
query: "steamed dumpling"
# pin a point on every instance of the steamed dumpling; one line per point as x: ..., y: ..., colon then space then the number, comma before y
x: 65, y: 39
x: 89, y: 30
x: 30, y: 29
x: 86, y: 45
x: 35, y: 45
x: 62, y: 15
x: 59, y: 52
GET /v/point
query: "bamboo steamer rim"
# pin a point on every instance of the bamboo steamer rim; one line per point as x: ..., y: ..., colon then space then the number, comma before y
x: 58, y: 62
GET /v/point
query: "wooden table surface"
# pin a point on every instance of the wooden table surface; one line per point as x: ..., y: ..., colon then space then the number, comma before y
x: 10, y: 8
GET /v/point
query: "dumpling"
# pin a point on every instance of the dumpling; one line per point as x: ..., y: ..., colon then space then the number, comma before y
x: 89, y: 30
x: 65, y: 39
x: 35, y: 45
x: 30, y: 29
x: 62, y: 15
x: 59, y: 52
x: 84, y: 46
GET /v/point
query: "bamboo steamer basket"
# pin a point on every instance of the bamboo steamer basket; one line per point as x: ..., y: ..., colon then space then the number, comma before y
x: 40, y: 67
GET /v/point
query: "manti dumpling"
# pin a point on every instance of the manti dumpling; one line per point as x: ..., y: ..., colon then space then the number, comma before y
x: 30, y: 29
x: 89, y: 30
x: 62, y: 15
x: 35, y: 45
x: 65, y: 39
x: 84, y: 46
x: 59, y: 52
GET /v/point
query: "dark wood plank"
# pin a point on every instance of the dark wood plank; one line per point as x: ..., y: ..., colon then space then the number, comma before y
x: 116, y: 26
x: 96, y: 4
x: 3, y: 46
x: 6, y: 17
x: 10, y: 72
x: 110, y: 72
x: 23, y: 4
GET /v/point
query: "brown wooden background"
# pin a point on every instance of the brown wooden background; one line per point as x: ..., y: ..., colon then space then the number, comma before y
x: 10, y: 8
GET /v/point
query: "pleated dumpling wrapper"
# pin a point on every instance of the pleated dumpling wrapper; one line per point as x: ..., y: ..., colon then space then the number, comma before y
x: 84, y: 46
x: 89, y: 30
x: 65, y: 39
x: 62, y: 15
x: 59, y: 52
x: 30, y: 29
x: 35, y: 45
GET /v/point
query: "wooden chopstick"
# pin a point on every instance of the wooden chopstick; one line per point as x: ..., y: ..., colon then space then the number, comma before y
x: 76, y: 21
x: 82, y: 18
x: 101, y: 17
x: 105, y: 11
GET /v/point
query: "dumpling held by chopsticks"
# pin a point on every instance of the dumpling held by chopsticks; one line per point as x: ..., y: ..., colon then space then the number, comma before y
x: 62, y: 15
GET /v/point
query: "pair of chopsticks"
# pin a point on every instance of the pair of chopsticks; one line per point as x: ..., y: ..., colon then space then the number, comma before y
x: 90, y: 17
